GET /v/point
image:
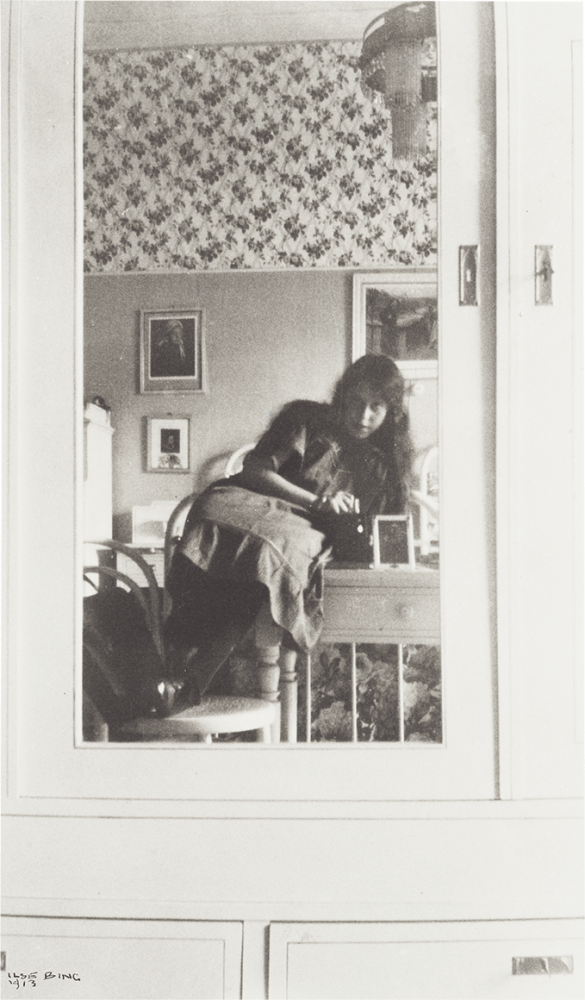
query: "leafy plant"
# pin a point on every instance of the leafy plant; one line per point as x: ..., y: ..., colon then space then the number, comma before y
x: 377, y: 692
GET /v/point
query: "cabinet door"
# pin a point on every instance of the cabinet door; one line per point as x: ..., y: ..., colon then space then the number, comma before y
x: 97, y: 486
x: 48, y: 764
x: 141, y: 959
x: 420, y: 960
x: 540, y: 383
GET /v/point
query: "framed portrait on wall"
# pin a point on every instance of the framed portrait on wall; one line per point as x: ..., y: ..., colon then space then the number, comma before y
x: 395, y: 313
x: 171, y: 350
x: 167, y: 444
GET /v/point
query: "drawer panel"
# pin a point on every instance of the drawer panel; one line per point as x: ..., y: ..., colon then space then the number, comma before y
x: 126, y: 959
x: 402, y: 961
x: 154, y: 559
x: 382, y: 615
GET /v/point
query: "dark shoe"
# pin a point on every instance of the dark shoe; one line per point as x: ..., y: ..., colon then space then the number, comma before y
x: 177, y: 659
x: 167, y: 696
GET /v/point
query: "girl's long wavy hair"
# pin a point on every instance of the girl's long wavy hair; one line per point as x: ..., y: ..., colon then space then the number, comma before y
x: 384, y: 378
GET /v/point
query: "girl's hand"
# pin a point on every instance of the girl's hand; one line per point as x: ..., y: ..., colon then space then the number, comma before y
x: 340, y: 503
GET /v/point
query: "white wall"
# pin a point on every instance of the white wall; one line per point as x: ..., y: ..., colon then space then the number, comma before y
x: 270, y: 338
x: 139, y: 24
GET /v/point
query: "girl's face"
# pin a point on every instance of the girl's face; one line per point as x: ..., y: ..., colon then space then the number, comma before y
x: 364, y: 411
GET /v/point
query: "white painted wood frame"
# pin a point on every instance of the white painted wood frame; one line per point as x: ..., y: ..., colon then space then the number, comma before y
x: 47, y: 766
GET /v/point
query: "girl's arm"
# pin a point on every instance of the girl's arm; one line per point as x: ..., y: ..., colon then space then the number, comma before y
x: 259, y: 475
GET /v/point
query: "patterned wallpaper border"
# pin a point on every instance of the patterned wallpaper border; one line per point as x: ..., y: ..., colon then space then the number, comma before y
x: 247, y: 157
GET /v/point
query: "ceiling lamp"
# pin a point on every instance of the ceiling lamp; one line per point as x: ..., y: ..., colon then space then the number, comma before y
x: 399, y: 69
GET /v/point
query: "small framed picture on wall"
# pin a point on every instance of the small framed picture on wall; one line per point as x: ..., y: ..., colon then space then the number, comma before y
x: 395, y: 313
x: 171, y: 350
x: 167, y: 444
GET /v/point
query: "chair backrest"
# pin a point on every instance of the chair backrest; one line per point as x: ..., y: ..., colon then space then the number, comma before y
x: 236, y: 460
x: 428, y: 500
x: 175, y: 525
x: 152, y: 609
x: 123, y: 655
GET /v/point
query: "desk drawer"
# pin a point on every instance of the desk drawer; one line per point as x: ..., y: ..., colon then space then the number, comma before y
x: 154, y: 559
x: 382, y: 615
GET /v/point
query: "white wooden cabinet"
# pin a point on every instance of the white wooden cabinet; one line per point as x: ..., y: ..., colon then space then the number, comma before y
x: 97, y: 485
x: 446, y: 961
x: 97, y: 491
x: 466, y: 765
x: 133, y: 960
x: 424, y: 851
x: 540, y: 370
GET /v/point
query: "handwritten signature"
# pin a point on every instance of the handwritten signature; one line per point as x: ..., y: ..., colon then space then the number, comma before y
x: 20, y: 979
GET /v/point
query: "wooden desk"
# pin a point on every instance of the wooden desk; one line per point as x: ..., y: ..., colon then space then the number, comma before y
x: 386, y: 605
x: 394, y: 606
x: 361, y: 605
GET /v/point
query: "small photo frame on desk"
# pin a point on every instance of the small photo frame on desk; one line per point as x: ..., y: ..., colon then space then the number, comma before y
x: 393, y: 539
x: 167, y: 444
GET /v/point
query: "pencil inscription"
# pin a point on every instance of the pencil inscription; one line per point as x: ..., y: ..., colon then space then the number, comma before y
x: 21, y: 979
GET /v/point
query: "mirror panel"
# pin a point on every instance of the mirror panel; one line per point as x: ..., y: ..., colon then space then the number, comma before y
x: 254, y: 187
x: 49, y: 771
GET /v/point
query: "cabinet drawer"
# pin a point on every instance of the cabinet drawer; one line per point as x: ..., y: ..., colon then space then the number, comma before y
x: 129, y: 959
x: 448, y: 960
x: 378, y: 614
x: 154, y: 559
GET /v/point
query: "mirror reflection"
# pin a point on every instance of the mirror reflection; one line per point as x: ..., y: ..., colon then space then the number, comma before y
x: 248, y: 230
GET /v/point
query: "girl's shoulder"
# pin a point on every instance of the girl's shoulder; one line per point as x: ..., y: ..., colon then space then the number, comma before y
x: 306, y: 407
x: 296, y: 426
x: 317, y: 417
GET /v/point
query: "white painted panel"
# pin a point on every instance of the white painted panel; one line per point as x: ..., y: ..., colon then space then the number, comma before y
x: 231, y: 867
x: 43, y: 658
x: 130, y: 960
x: 540, y: 448
x: 457, y: 961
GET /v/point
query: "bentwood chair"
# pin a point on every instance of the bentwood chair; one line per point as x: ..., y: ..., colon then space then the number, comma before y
x: 427, y: 498
x: 111, y: 688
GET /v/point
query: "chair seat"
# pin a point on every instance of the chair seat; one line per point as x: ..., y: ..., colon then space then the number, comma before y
x: 216, y: 714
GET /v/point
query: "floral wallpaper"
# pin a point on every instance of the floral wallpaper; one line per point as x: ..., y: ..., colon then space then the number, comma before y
x: 247, y: 157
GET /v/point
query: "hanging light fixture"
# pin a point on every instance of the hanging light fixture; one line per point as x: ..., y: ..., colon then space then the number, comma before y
x: 399, y: 69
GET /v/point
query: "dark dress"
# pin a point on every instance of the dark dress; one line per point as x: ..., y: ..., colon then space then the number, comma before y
x: 240, y: 547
